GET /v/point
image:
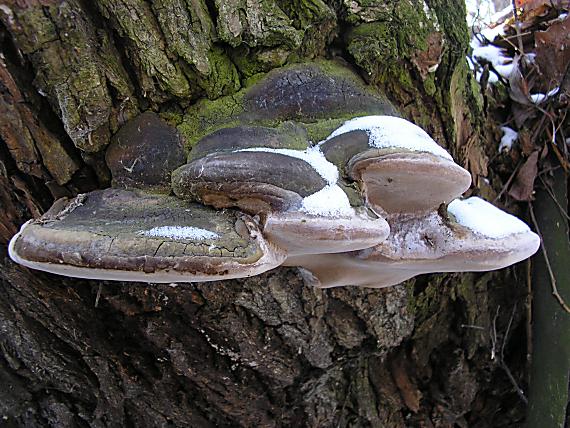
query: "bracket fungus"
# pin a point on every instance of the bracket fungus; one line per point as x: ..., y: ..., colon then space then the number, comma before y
x: 474, y: 236
x: 294, y: 192
x: 400, y: 167
x: 144, y: 152
x: 135, y: 236
x: 364, y: 206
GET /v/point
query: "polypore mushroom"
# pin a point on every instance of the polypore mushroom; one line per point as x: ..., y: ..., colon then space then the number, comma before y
x: 400, y: 168
x: 288, y: 135
x: 144, y: 152
x: 475, y: 237
x: 295, y: 193
x: 255, y: 182
x: 134, y: 236
x: 318, y: 96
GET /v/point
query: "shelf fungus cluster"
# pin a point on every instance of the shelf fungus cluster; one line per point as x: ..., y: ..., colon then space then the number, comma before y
x: 372, y: 204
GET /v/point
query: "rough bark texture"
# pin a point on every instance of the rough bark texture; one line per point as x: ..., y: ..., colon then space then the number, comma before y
x: 269, y: 350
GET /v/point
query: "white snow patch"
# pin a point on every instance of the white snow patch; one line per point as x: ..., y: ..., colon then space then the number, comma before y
x: 539, y: 97
x: 479, y: 10
x: 485, y: 219
x: 179, y: 232
x: 494, y: 55
x: 390, y: 131
x: 330, y: 201
x: 509, y: 137
x: 8, y: 12
x: 313, y: 156
x: 491, y: 33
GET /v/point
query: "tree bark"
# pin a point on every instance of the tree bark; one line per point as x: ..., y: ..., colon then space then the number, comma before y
x: 268, y: 350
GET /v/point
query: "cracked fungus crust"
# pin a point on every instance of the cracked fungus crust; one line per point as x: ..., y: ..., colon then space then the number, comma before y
x: 107, y: 231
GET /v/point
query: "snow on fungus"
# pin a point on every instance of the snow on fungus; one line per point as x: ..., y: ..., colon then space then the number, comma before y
x: 313, y: 156
x: 391, y: 131
x: 330, y: 201
x: 179, y: 232
x: 481, y: 217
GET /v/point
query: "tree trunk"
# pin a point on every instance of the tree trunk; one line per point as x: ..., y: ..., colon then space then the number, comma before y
x: 268, y: 350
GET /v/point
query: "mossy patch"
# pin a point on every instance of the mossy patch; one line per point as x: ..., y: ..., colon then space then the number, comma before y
x: 320, y: 95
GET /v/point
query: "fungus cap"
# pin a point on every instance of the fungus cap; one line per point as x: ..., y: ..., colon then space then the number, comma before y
x: 300, y: 233
x: 400, y: 168
x: 254, y: 181
x: 144, y: 152
x: 133, y: 236
x: 476, y: 237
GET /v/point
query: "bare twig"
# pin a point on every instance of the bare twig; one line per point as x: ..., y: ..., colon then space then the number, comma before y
x: 528, y: 305
x: 547, y: 261
x: 499, y: 357
x: 508, y: 183
x: 98, y: 294
x: 506, y: 336
x: 518, y: 27
x: 475, y: 327
x: 494, y: 334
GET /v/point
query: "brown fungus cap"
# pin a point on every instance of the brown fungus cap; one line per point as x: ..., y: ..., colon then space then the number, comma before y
x: 132, y: 236
x: 480, y: 238
x: 318, y: 96
x: 253, y: 181
x: 143, y: 153
x: 287, y: 135
x: 399, y: 167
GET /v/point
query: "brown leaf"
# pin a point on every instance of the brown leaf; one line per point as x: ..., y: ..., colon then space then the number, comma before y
x: 531, y: 10
x: 553, y: 51
x: 523, y: 185
x: 525, y: 142
x: 429, y: 58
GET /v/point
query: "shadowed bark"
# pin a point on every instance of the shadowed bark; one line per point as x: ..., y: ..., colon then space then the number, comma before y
x: 264, y: 351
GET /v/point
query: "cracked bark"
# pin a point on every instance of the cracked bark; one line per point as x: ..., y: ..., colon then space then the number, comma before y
x: 268, y: 350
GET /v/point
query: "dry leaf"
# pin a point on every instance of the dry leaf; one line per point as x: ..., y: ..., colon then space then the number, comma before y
x: 523, y: 185
x: 553, y: 51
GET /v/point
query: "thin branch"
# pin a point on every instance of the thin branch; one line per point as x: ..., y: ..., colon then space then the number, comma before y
x: 98, y: 294
x: 494, y: 334
x: 499, y: 358
x: 508, y: 183
x: 475, y: 327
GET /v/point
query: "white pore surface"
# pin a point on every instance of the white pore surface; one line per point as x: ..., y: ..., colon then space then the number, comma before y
x: 389, y: 131
x: 179, y: 232
x: 481, y: 217
x: 330, y: 201
x: 508, y: 138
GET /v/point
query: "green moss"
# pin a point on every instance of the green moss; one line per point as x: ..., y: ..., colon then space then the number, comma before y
x: 429, y: 85
x: 223, y: 78
x: 251, y: 61
x: 449, y: 14
x: 207, y: 116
